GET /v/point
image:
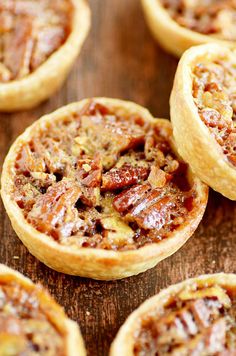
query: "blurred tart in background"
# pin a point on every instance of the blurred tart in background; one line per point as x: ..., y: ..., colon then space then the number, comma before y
x: 195, y: 317
x: 203, y: 114
x: 31, y: 322
x: 39, y: 42
x: 180, y: 24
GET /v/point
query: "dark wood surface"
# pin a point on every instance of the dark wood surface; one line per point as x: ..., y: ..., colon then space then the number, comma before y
x: 120, y: 59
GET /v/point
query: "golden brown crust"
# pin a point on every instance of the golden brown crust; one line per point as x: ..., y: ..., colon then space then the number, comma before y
x: 91, y: 262
x: 173, y: 37
x: 73, y: 340
x: 44, y: 81
x: 124, y: 341
x: 195, y: 143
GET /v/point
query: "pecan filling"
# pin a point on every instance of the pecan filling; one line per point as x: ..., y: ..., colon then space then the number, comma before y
x: 215, y: 98
x: 98, y: 179
x: 30, y: 31
x: 25, y: 327
x: 200, y: 321
x: 209, y: 17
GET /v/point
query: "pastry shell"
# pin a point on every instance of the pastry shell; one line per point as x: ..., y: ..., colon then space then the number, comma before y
x: 92, y: 262
x: 36, y: 87
x: 173, y: 37
x: 195, y: 142
x: 74, y: 343
x: 123, y: 344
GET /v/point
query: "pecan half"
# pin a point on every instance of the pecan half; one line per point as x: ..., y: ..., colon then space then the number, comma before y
x: 123, y: 177
x: 128, y: 198
x: 154, y: 216
x: 56, y: 208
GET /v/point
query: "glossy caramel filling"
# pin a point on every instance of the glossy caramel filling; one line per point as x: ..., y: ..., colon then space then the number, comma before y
x: 196, y: 321
x: 25, y: 327
x: 215, y: 97
x: 209, y: 17
x: 102, y: 180
x: 30, y: 31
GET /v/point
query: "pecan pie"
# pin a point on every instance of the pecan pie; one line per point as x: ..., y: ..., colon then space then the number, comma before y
x: 96, y: 189
x: 203, y: 111
x: 180, y: 24
x: 39, y: 42
x: 31, y: 322
x: 195, y: 317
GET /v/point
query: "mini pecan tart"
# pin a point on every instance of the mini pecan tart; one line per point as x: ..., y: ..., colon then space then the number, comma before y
x: 195, y: 317
x: 95, y: 189
x: 39, y: 42
x: 180, y: 24
x: 31, y: 322
x: 203, y: 113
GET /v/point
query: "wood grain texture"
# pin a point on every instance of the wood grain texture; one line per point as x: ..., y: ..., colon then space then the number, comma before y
x: 119, y: 59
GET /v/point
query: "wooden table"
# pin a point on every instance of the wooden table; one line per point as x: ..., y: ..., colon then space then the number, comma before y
x: 120, y: 59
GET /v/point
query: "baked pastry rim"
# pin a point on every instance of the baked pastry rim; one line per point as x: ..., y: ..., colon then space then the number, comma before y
x: 124, y: 340
x: 173, y: 37
x: 29, y: 91
x: 73, y: 337
x: 204, y: 154
x: 93, y: 262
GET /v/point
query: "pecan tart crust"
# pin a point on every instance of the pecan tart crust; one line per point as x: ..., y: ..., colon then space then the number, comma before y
x: 96, y: 189
x: 178, y: 25
x: 194, y: 317
x: 203, y: 115
x: 39, y: 42
x: 31, y: 322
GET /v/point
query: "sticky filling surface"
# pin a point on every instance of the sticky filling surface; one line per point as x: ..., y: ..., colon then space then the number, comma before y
x: 215, y: 97
x: 30, y: 32
x: 26, y: 327
x: 196, y: 321
x: 209, y: 17
x: 103, y: 180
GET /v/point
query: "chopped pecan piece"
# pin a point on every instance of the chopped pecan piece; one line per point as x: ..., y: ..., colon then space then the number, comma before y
x: 152, y: 151
x: 89, y: 174
x: 211, y: 118
x: 27, y: 162
x: 26, y: 194
x: 232, y: 159
x: 56, y: 208
x: 43, y: 179
x: 116, y: 231
x: 123, y: 177
x: 89, y: 171
x: 157, y: 177
x: 115, y: 138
